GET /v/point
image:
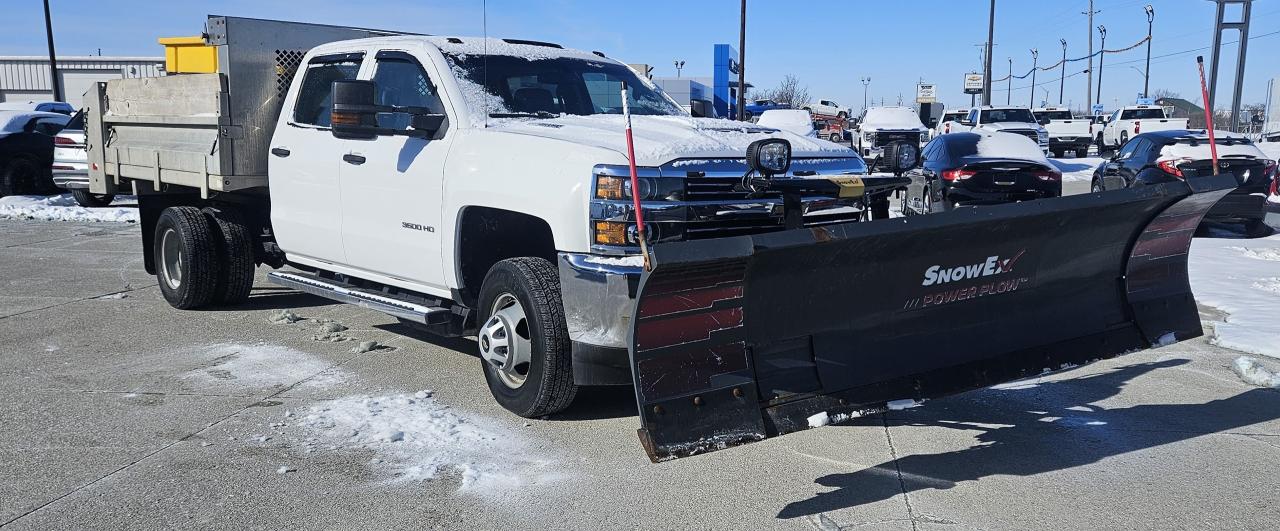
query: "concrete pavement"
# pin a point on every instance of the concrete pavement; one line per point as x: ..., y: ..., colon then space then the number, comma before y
x: 122, y: 412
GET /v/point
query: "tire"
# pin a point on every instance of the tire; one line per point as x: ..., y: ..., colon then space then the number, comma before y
x: 842, y: 115
x: 87, y: 199
x: 235, y: 253
x: 926, y: 202
x: 1082, y: 152
x: 1058, y: 153
x: 1124, y: 139
x: 545, y: 384
x: 186, y: 257
x: 19, y: 176
x: 1097, y: 186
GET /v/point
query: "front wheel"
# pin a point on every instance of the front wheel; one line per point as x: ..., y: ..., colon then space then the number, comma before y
x: 1082, y: 152
x: 524, y: 342
x: 87, y: 199
x: 1097, y: 187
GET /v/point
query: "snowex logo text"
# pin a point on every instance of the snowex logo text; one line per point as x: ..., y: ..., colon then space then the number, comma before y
x: 993, y: 265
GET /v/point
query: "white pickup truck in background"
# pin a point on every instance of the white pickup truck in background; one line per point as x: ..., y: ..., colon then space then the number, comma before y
x: 466, y: 186
x: 1067, y: 133
x: 1132, y: 121
x: 1004, y: 119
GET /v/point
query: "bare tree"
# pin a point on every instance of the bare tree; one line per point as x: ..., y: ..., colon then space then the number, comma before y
x: 1164, y: 93
x: 788, y: 91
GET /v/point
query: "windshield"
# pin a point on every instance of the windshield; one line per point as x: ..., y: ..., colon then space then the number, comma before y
x: 1054, y: 115
x: 1007, y: 115
x: 955, y: 116
x: 548, y: 87
x: 1142, y: 114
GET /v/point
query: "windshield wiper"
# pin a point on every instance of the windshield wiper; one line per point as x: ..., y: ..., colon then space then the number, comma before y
x: 538, y: 114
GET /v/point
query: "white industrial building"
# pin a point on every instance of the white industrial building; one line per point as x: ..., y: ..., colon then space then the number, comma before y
x: 26, y: 78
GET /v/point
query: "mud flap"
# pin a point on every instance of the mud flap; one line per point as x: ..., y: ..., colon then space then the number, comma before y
x: 738, y: 339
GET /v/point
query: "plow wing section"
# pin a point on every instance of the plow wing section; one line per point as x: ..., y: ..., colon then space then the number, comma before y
x: 738, y: 339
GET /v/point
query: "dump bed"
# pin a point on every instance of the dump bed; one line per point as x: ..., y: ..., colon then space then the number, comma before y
x: 208, y: 131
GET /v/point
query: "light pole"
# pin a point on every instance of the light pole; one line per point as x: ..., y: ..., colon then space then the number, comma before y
x: 1035, y: 60
x: 742, y: 67
x: 986, y: 66
x: 1102, y: 54
x: 1062, y: 82
x: 1146, y: 78
x: 1008, y: 96
x: 866, y: 81
x: 1088, y: 84
x: 679, y: 66
x: 53, y: 60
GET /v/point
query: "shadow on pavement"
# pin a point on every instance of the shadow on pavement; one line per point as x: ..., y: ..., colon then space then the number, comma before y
x: 1025, y: 445
x: 267, y: 298
x: 1069, y: 167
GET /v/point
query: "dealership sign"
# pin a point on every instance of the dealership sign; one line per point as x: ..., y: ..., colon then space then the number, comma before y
x: 926, y: 93
x: 973, y: 83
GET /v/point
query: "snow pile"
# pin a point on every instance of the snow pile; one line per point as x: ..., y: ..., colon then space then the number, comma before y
x: 1009, y: 145
x: 818, y: 420
x: 1240, y: 277
x: 892, y: 118
x: 1253, y: 373
x: 899, y: 405
x: 796, y: 121
x: 64, y: 208
x: 259, y: 366
x: 419, y: 439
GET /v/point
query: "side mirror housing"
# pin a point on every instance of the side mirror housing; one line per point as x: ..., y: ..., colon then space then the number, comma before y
x: 353, y: 112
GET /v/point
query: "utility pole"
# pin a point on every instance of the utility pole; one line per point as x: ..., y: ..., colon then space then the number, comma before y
x: 986, y: 67
x: 1008, y: 94
x: 53, y: 59
x: 1062, y: 81
x: 1146, y: 78
x: 1102, y: 30
x: 742, y: 67
x: 1089, y: 83
x: 1035, y: 60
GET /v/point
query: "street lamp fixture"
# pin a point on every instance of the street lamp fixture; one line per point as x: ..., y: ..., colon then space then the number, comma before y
x: 1146, y: 77
x: 866, y: 81
x: 679, y: 66
x: 1102, y: 31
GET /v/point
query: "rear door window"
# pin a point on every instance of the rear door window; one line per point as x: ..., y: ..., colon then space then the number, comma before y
x: 316, y: 94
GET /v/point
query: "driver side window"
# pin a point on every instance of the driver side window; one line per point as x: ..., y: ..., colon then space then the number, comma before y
x: 1128, y: 149
x: 402, y: 82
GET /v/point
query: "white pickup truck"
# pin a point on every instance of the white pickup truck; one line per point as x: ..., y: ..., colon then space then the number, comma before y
x: 1006, y: 119
x: 1132, y: 121
x: 1067, y: 133
x: 467, y: 186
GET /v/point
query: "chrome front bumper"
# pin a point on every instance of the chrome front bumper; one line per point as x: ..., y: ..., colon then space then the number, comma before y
x: 598, y: 293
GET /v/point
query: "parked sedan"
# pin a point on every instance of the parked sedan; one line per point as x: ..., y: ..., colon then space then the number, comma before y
x: 26, y: 150
x: 1178, y: 155
x: 983, y: 168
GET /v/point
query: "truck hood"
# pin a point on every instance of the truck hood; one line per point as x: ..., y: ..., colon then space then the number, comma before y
x: 662, y: 139
x: 1007, y: 126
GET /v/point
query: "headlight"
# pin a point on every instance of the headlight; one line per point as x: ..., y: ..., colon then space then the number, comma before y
x: 770, y: 156
x: 651, y: 188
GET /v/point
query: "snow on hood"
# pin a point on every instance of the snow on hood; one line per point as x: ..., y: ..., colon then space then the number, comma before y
x: 662, y: 139
x: 1009, y: 145
x: 1003, y: 126
x: 892, y: 118
x: 797, y: 121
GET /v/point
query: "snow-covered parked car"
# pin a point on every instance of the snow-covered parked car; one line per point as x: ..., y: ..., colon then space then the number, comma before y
x: 1067, y: 133
x: 979, y: 168
x: 26, y: 150
x: 880, y: 127
x: 1182, y: 155
x: 795, y: 121
x: 827, y: 108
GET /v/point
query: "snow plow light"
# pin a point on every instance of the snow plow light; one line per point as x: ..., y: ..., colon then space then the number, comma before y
x: 768, y: 157
x: 610, y: 233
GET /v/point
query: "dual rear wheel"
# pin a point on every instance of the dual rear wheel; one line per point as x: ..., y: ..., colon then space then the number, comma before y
x: 203, y: 256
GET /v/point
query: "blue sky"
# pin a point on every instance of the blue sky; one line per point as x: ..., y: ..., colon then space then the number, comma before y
x: 828, y: 45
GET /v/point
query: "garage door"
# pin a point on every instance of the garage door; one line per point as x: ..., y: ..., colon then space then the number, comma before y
x: 76, y: 82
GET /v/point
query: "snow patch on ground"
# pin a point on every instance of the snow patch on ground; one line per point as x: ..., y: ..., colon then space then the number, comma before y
x: 1240, y: 277
x: 64, y: 208
x: 818, y: 420
x: 1253, y: 373
x: 1077, y: 169
x: 418, y: 439
x: 899, y: 405
x: 261, y: 366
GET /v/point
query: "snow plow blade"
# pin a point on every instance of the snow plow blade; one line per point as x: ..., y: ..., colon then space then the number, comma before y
x: 735, y: 340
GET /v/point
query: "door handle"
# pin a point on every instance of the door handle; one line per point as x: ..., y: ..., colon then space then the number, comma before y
x: 280, y: 152
x: 354, y: 159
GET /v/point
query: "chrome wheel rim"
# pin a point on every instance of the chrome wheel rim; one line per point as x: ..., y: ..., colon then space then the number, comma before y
x: 505, y: 343
x: 171, y: 258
